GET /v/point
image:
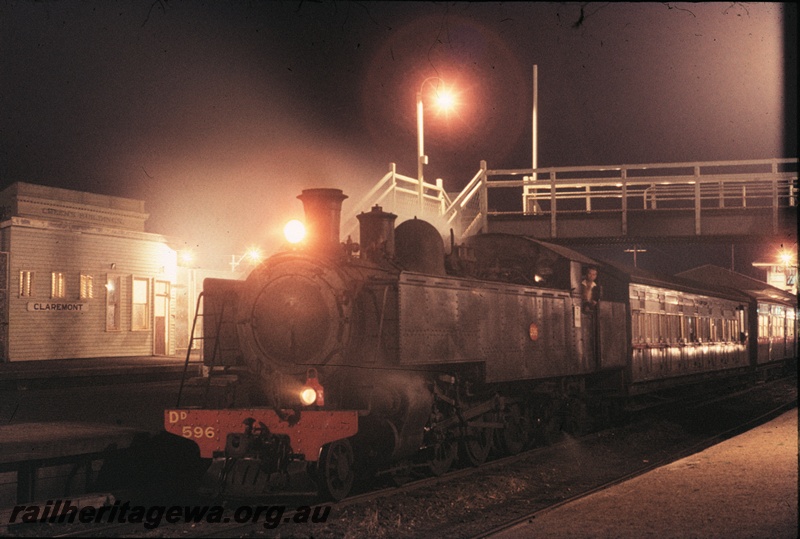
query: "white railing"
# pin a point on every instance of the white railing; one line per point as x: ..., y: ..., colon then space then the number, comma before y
x: 402, y: 195
x: 698, y: 186
x: 558, y: 191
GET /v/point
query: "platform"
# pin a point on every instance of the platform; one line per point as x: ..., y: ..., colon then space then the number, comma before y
x: 42, y: 441
x: 93, y: 371
x: 744, y: 487
x: 42, y: 460
x: 60, y: 419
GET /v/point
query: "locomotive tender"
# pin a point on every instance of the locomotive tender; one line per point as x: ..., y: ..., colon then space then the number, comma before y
x: 392, y: 356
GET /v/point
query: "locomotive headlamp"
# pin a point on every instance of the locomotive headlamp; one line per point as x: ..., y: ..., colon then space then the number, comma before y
x: 308, y: 396
x: 294, y: 231
x: 312, y: 392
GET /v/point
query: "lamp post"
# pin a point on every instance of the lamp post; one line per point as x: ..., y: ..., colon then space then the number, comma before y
x: 788, y: 258
x: 782, y: 270
x: 445, y: 101
x: 252, y: 255
x: 635, y: 251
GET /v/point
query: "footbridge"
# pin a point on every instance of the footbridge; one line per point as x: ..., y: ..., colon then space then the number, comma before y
x: 660, y: 202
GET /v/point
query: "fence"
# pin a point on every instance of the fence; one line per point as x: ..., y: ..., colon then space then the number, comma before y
x: 558, y: 193
x: 405, y: 197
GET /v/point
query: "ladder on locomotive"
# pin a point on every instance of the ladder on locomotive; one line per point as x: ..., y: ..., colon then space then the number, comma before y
x: 216, y: 352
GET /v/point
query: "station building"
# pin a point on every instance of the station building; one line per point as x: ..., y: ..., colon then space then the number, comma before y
x: 80, y: 277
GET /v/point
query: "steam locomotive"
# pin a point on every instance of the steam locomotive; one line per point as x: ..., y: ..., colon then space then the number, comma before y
x: 392, y: 356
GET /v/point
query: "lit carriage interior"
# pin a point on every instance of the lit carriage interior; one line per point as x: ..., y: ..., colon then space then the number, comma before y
x: 700, y: 325
x: 771, y: 312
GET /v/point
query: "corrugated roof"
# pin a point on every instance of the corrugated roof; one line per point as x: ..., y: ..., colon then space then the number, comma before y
x: 566, y: 252
x: 711, y: 274
x: 678, y: 282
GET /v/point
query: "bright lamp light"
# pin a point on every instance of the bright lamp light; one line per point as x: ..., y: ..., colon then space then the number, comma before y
x: 308, y: 396
x: 294, y: 231
x: 254, y: 255
x: 445, y: 99
x: 187, y: 256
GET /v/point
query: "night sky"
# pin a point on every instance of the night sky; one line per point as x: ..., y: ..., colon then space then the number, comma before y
x: 217, y: 114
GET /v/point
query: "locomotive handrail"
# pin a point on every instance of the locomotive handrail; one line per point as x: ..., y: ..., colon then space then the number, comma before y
x: 197, y: 314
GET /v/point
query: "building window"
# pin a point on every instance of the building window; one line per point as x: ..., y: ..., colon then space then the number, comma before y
x: 26, y: 283
x: 57, y: 285
x: 140, y: 312
x: 113, y: 292
x: 87, y: 287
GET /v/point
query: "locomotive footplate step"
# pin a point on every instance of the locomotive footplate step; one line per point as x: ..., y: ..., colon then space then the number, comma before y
x: 743, y: 487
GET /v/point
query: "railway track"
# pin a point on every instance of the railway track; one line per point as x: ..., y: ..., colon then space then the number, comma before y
x: 554, y: 475
x: 229, y: 526
x: 696, y: 448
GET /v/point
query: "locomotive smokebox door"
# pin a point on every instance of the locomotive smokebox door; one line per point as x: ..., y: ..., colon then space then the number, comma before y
x: 293, y: 314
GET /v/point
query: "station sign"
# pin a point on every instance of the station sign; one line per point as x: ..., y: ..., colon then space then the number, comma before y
x: 70, y: 307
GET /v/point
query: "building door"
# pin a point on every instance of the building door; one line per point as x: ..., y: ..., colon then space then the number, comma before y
x: 161, y: 336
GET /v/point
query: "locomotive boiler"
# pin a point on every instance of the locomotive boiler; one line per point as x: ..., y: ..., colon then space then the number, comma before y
x: 391, y: 356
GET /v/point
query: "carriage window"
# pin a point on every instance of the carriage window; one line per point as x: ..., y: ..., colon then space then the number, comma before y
x: 763, y: 325
x: 674, y: 327
x: 777, y: 324
x: 645, y: 333
x: 718, y: 330
x: 704, y: 329
x: 690, y: 328
x: 648, y: 328
x: 636, y: 329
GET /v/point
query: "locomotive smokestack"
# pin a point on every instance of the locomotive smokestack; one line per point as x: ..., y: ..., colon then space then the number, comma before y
x: 323, y: 208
